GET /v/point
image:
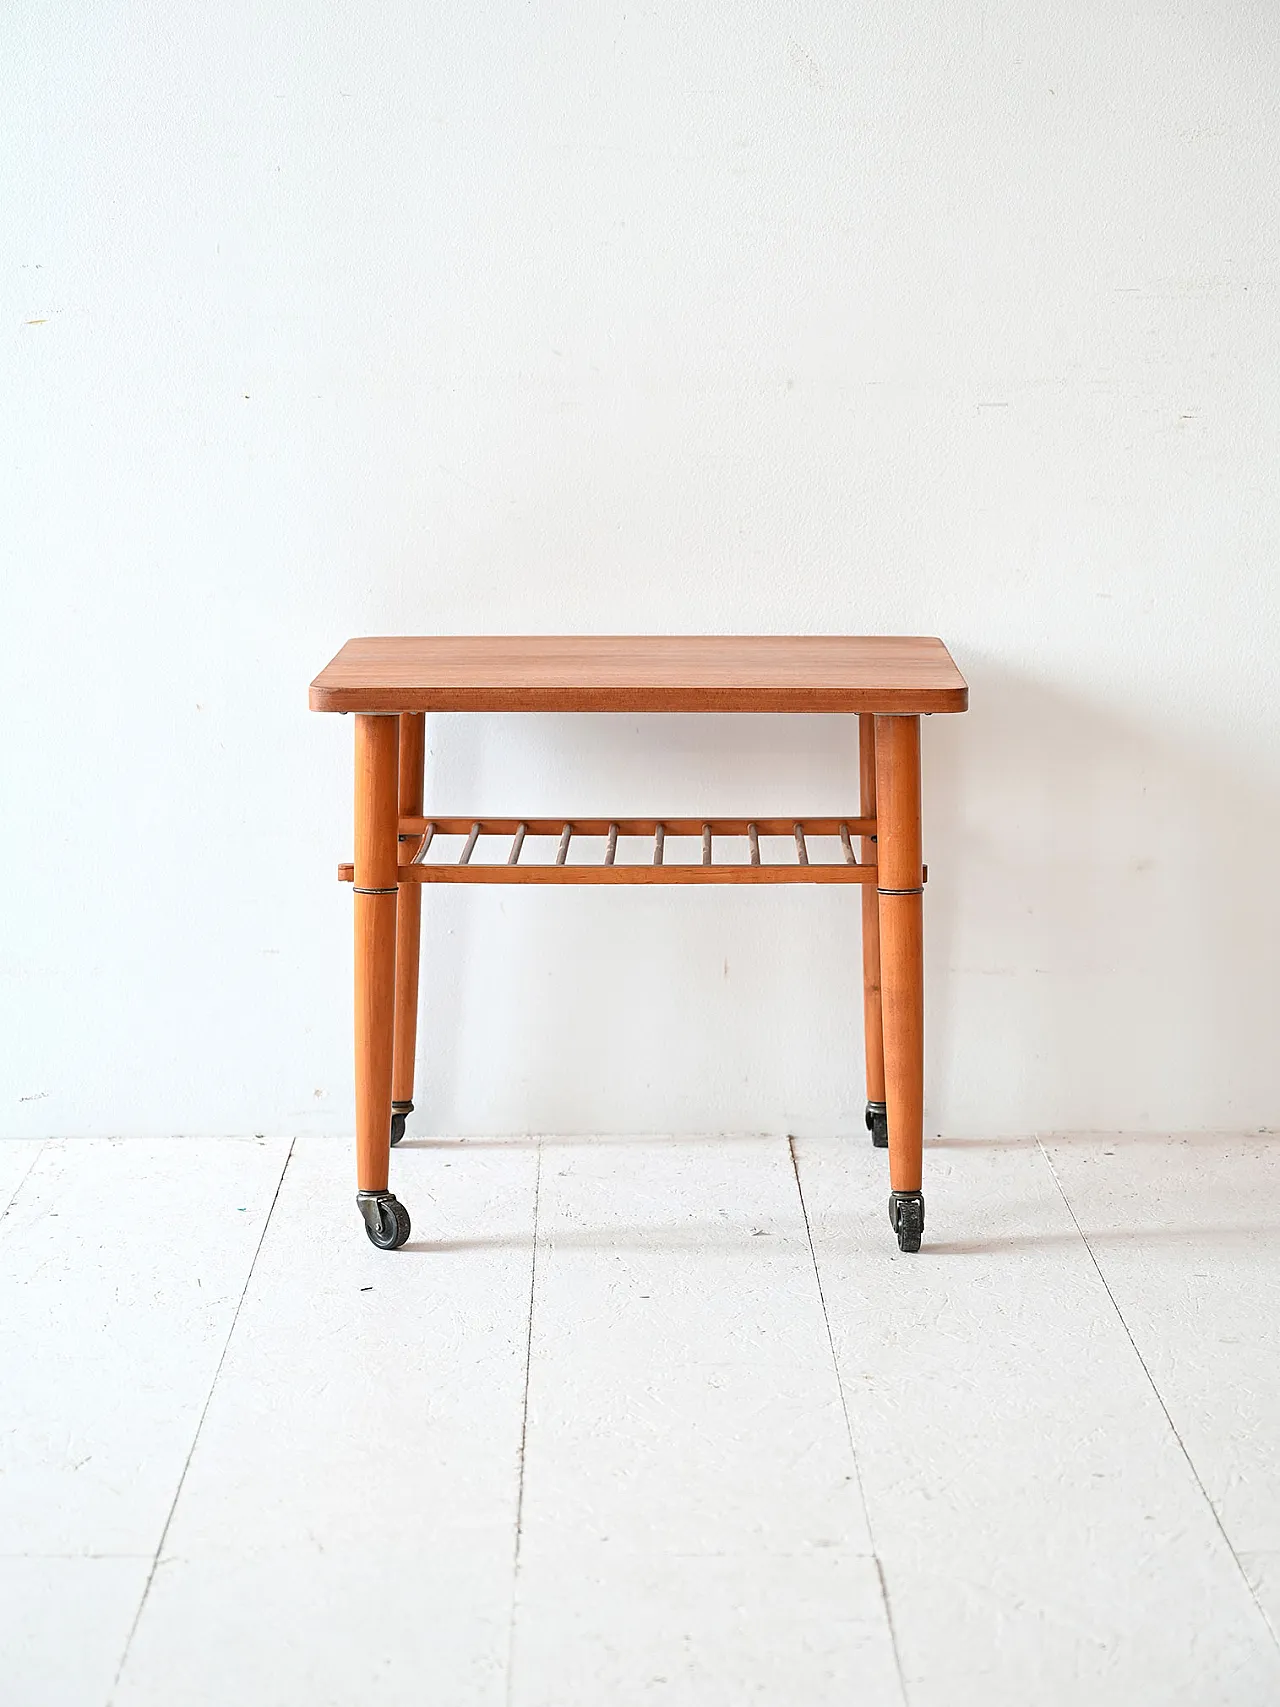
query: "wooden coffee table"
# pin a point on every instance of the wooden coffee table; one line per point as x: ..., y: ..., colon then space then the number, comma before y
x: 390, y: 685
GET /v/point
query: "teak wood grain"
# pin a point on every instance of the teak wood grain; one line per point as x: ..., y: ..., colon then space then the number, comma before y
x: 635, y: 673
x: 664, y: 873
x: 900, y: 879
x: 872, y: 1019
x: 390, y: 684
x: 377, y: 757
x: 413, y: 736
x: 417, y: 826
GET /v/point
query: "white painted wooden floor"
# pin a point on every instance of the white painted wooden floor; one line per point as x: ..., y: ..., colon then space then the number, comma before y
x: 640, y: 1421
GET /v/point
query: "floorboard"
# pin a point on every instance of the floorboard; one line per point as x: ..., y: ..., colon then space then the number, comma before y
x: 1263, y: 1572
x: 346, y: 1530
x: 693, y: 1530
x: 63, y: 1627
x: 122, y: 1263
x: 1042, y: 1535
x: 121, y: 1268
x: 637, y: 1421
x: 1186, y: 1234
x: 16, y: 1158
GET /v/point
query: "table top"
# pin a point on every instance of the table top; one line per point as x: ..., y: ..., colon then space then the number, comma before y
x: 675, y: 672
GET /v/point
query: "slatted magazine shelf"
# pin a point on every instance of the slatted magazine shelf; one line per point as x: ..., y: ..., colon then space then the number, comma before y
x: 390, y: 685
x: 655, y: 831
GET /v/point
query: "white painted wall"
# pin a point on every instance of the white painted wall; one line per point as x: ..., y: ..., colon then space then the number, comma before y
x: 930, y: 318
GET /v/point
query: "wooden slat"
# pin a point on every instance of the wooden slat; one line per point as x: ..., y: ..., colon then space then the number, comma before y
x: 862, y: 874
x: 429, y: 831
x: 706, y: 844
x: 753, y: 836
x: 659, y: 837
x: 630, y: 873
x: 640, y: 826
x: 517, y: 842
x: 610, y: 853
x: 464, y: 857
x: 847, y: 845
x: 802, y: 852
x: 562, y: 853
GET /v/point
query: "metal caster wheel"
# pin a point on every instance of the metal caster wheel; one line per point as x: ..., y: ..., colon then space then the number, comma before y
x: 386, y: 1220
x: 400, y: 1111
x: 878, y: 1124
x: 906, y: 1217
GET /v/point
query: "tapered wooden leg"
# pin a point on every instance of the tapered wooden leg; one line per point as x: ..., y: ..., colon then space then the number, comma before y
x: 901, y: 880
x: 872, y: 1025
x: 376, y: 858
x: 413, y: 731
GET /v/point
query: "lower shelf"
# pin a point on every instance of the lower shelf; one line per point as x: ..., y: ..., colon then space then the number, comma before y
x: 798, y: 868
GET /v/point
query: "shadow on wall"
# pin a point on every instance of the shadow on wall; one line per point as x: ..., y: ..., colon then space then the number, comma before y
x: 1100, y: 955
x: 1097, y: 958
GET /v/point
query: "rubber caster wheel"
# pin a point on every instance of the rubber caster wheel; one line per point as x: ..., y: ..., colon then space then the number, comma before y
x: 906, y: 1217
x: 878, y: 1124
x: 400, y: 1112
x: 386, y: 1220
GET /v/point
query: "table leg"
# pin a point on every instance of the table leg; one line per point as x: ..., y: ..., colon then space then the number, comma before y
x: 901, y: 880
x: 872, y: 1024
x: 377, y: 750
x: 413, y: 728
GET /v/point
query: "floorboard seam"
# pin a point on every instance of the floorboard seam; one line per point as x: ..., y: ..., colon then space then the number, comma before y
x: 195, y: 1438
x: 41, y: 1146
x: 524, y: 1429
x: 848, y: 1421
x: 1173, y: 1427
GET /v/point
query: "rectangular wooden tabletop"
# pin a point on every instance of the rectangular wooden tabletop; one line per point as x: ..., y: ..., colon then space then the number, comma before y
x: 678, y: 672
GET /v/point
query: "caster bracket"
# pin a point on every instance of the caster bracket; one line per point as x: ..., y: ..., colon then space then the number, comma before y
x: 386, y: 1220
x: 906, y: 1217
